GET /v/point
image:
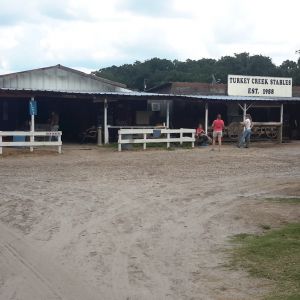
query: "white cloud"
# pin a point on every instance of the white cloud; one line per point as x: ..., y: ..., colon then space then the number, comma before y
x: 94, y: 34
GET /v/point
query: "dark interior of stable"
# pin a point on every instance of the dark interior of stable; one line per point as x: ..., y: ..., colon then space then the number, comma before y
x: 76, y: 115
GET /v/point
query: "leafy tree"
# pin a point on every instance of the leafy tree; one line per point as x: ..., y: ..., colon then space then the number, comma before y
x: 157, y: 71
x: 290, y: 68
x: 261, y: 66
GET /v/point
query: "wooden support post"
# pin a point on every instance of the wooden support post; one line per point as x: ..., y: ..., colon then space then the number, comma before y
x: 0, y: 146
x: 168, y: 137
x: 106, y: 138
x: 181, y: 135
x: 145, y: 142
x: 32, y: 129
x: 244, y: 111
x: 119, y: 142
x: 59, y: 140
x: 168, y: 115
x: 206, y: 118
x: 281, y: 124
x: 193, y: 143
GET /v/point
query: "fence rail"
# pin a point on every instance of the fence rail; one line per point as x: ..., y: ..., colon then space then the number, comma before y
x: 31, y: 143
x: 144, y: 136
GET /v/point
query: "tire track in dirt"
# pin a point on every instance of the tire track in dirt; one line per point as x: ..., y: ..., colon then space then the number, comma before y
x: 154, y: 223
x: 39, y: 277
x: 37, y: 282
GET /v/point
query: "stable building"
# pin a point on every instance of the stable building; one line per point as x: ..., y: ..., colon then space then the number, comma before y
x: 268, y: 100
x: 66, y: 91
x: 84, y: 100
x: 81, y: 100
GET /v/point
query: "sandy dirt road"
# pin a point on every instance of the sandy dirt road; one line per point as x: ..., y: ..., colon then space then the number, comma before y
x: 97, y: 224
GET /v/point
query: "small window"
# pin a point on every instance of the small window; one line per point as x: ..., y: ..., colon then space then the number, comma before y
x: 155, y: 106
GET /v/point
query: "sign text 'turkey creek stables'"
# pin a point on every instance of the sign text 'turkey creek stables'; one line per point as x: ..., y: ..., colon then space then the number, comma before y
x: 239, y: 85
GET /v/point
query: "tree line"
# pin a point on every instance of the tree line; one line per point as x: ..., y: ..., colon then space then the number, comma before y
x: 157, y: 71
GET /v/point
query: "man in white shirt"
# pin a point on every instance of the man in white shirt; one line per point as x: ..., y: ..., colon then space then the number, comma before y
x: 245, y: 138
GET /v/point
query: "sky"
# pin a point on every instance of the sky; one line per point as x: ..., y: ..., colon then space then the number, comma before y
x: 91, y: 34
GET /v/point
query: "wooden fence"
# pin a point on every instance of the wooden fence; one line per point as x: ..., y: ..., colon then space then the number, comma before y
x: 144, y: 136
x: 19, y: 139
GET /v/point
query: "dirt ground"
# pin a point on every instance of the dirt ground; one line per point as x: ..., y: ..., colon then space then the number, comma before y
x: 93, y: 223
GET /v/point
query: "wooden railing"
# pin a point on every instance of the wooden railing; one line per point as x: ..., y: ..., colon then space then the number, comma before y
x: 144, y: 136
x: 49, y: 137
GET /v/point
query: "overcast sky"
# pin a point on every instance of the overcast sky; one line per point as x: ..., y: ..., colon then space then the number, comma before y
x: 92, y: 34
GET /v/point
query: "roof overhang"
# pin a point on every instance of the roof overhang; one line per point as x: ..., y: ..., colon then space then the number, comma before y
x: 101, y: 96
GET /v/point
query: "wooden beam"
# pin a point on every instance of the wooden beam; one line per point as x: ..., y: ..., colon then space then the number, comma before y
x: 206, y: 118
x: 281, y: 126
x: 106, y: 138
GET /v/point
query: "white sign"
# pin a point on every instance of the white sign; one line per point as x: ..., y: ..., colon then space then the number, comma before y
x: 52, y: 133
x: 239, y: 85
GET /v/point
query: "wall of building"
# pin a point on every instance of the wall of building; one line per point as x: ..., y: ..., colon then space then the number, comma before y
x: 198, y: 88
x: 58, y: 78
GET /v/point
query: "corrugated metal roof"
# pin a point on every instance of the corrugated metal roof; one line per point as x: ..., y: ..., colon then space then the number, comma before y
x: 59, y: 78
x: 243, y: 98
x: 135, y: 94
x: 80, y: 73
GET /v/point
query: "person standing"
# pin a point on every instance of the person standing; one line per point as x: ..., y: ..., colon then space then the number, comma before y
x: 245, y: 138
x: 218, y: 127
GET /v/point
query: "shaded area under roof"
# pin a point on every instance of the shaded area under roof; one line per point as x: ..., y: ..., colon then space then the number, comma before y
x: 132, y: 95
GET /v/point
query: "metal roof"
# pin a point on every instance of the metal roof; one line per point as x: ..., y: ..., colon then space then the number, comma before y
x: 99, y: 96
x: 243, y: 98
x: 59, y: 78
x: 59, y: 66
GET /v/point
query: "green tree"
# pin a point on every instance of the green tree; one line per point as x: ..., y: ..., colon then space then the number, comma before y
x: 290, y: 68
x: 158, y: 71
x: 261, y: 66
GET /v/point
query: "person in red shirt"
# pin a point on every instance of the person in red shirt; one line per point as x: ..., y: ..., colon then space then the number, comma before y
x: 199, y: 130
x: 217, y: 126
x: 201, y: 137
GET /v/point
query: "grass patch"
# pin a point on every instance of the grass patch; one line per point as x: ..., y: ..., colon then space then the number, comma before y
x: 274, y: 255
x: 291, y: 200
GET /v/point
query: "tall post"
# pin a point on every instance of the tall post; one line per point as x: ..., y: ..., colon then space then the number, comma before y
x: 168, y: 138
x: 244, y: 114
x: 59, y: 143
x: 281, y: 124
x: 32, y: 128
x: 106, y: 140
x: 206, y: 118
x: 168, y: 115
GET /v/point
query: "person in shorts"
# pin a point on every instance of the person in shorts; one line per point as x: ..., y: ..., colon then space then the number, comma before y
x: 218, y: 127
x: 202, y: 139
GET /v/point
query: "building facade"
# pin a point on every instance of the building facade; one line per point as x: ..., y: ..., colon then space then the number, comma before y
x: 84, y: 100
